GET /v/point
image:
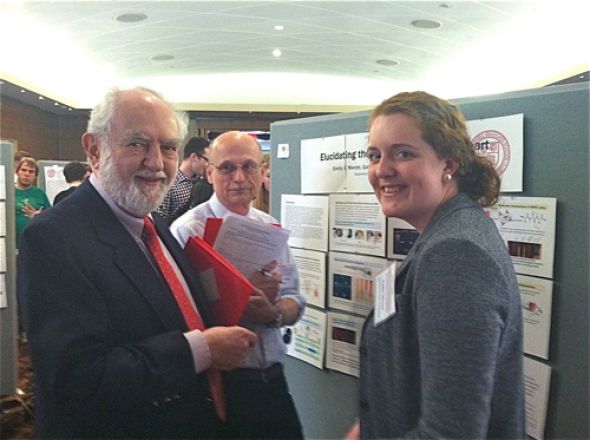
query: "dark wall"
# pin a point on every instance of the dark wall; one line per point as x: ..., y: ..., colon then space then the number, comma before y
x: 57, y: 137
x: 556, y: 163
x: 71, y: 129
x: 35, y: 130
x: 41, y: 133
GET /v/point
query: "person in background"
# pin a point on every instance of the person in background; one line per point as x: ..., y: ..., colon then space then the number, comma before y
x: 447, y: 363
x: 258, y: 399
x: 201, y: 191
x: 120, y: 334
x: 190, y: 171
x: 29, y: 199
x: 18, y: 156
x: 75, y: 173
x: 262, y: 201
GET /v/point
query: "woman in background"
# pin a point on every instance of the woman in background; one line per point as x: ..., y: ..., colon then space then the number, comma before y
x: 448, y: 362
x: 262, y: 200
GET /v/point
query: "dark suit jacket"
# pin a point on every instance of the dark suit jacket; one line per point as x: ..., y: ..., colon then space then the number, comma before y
x: 201, y: 191
x: 63, y: 194
x: 109, y: 356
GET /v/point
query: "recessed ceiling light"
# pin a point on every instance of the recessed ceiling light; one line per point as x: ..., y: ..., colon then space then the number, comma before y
x: 279, y: 27
x: 277, y: 53
x: 56, y: 103
x: 41, y: 97
x: 23, y: 91
x: 426, y: 24
x: 162, y: 57
x: 131, y: 17
x: 387, y: 62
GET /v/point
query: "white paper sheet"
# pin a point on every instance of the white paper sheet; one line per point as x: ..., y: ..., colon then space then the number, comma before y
x: 2, y: 254
x: 537, y: 378
x: 335, y: 164
x: 350, y: 281
x: 400, y: 238
x: 283, y: 151
x: 3, y: 182
x: 311, y: 266
x: 2, y: 219
x: 527, y: 225
x: 536, y: 296
x: 55, y: 181
x: 306, y: 217
x: 357, y: 224
x: 501, y: 141
x: 343, y: 340
x: 3, y: 294
x: 384, y: 295
x: 308, y: 338
x: 250, y: 244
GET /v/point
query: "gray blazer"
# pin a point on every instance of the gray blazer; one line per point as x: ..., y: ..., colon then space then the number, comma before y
x: 448, y: 364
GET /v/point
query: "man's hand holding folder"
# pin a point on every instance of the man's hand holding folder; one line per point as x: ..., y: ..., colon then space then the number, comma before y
x: 228, y: 290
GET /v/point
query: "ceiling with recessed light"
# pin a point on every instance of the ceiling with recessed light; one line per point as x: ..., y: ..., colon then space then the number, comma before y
x: 289, y: 55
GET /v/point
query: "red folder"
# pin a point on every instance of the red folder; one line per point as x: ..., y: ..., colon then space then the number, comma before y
x: 212, y: 226
x: 227, y: 289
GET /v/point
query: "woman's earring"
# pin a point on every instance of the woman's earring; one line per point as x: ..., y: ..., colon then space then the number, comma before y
x: 448, y: 177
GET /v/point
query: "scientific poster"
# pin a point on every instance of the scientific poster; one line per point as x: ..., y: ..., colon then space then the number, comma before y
x: 3, y: 294
x: 3, y: 219
x: 343, y: 340
x: 527, y: 225
x: 3, y: 182
x: 357, y: 224
x: 400, y: 238
x: 308, y: 338
x: 306, y: 217
x: 536, y: 296
x: 55, y: 181
x: 2, y: 254
x: 311, y: 266
x: 335, y: 164
x: 537, y: 378
x: 501, y: 141
x: 351, y: 279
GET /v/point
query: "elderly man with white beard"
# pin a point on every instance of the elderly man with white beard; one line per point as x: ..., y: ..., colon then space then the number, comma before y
x: 122, y: 342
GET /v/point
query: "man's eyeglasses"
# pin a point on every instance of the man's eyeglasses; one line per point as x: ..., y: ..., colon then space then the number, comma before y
x: 229, y: 168
x: 202, y: 157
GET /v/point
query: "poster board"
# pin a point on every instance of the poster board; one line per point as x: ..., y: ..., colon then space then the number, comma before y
x: 548, y: 134
x: 8, y: 314
x: 51, y: 177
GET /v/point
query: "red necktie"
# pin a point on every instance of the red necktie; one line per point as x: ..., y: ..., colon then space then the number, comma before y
x: 192, y: 318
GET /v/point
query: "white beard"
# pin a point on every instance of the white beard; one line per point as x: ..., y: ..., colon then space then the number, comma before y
x: 129, y: 196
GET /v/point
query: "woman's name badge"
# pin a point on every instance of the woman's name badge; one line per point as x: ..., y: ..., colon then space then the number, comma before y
x: 384, y: 295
